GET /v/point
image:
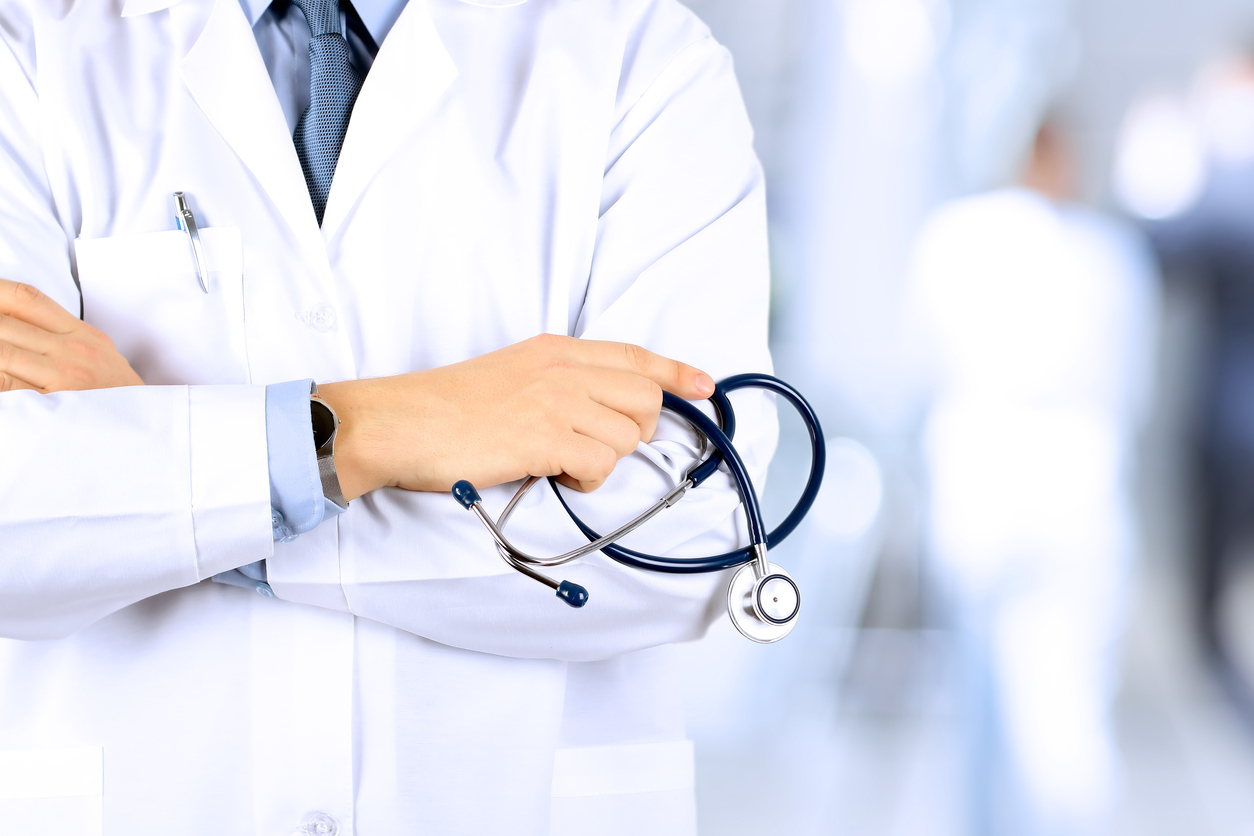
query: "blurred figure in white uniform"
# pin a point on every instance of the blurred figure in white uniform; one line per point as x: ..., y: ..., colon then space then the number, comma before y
x: 1039, y: 317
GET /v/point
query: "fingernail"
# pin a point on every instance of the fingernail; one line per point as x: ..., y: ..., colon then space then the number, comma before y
x: 705, y: 385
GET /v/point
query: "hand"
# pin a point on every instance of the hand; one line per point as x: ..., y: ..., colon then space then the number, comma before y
x: 548, y: 406
x: 46, y: 348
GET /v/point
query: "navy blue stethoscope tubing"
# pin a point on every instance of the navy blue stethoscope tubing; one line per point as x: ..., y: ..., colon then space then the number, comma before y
x: 725, y: 451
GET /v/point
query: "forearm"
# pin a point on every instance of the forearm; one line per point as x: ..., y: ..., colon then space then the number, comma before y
x: 114, y: 495
x: 434, y: 571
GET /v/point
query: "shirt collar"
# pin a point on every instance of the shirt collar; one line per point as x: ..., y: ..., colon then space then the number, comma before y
x: 378, y: 15
x: 253, y: 9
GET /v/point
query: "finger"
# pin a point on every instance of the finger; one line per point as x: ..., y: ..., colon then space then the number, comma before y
x: 575, y: 485
x: 9, y: 383
x: 586, y: 460
x: 613, y: 429
x: 24, y: 335
x: 29, y: 305
x: 636, y: 397
x: 27, y: 366
x: 675, y: 377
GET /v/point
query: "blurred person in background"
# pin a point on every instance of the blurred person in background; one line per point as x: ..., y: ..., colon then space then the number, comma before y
x: 1193, y: 182
x: 1039, y: 320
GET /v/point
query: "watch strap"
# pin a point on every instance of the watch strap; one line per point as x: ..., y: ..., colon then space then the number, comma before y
x: 330, y: 479
x: 326, y: 454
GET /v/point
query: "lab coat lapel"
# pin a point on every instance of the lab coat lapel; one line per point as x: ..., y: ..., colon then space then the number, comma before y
x: 225, y: 73
x: 410, y: 73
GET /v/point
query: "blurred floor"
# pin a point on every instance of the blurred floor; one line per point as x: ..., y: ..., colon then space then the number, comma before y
x: 887, y: 759
x: 1188, y: 760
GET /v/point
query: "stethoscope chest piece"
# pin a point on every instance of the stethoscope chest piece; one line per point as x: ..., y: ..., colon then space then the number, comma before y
x: 764, y: 608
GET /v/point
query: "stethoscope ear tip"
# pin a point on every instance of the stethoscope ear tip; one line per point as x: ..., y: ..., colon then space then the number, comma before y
x: 465, y: 493
x: 572, y: 593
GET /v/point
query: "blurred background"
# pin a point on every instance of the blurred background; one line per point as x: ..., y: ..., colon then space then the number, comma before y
x: 1013, y: 266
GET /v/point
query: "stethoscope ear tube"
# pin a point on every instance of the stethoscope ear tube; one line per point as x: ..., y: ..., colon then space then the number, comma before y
x: 726, y: 421
x: 818, y: 447
x: 725, y: 450
x: 571, y: 593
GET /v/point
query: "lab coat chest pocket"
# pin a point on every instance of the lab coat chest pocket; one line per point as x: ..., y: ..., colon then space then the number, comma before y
x: 142, y: 291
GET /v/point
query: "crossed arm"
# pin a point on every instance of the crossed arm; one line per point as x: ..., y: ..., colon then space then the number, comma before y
x: 548, y: 406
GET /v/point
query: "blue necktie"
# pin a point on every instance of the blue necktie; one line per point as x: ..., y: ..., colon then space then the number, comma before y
x: 333, y: 87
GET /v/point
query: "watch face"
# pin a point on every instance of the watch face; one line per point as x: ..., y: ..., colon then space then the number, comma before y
x: 323, y: 423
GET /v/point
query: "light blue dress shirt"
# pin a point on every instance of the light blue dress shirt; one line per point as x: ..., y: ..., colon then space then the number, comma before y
x: 296, y: 500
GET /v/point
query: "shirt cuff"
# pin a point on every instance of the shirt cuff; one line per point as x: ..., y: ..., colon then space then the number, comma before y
x: 297, y: 503
x: 296, y: 499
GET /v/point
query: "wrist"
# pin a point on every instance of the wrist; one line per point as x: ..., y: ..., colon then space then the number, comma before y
x: 325, y: 431
x: 353, y: 463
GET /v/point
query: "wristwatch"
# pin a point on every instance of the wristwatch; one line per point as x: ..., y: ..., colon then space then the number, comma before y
x: 325, y: 426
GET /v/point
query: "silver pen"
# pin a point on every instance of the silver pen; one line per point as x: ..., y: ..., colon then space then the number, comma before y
x: 187, y: 222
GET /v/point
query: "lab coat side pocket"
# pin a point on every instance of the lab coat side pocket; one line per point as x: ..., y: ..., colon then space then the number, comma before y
x: 52, y: 792
x: 625, y: 790
x: 143, y: 292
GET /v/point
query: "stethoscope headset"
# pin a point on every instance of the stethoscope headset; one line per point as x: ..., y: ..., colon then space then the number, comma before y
x: 763, y: 600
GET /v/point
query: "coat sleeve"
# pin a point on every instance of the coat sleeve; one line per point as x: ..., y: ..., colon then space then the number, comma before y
x: 110, y: 496
x: 681, y: 267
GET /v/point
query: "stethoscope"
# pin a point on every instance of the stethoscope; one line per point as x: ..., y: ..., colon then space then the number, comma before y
x: 763, y: 600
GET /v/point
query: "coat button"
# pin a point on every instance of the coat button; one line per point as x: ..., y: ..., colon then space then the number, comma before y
x: 320, y: 824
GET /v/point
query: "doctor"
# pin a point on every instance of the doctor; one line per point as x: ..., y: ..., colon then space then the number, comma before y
x: 510, y: 170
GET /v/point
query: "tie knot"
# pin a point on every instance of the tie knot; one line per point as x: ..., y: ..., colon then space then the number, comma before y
x: 323, y: 16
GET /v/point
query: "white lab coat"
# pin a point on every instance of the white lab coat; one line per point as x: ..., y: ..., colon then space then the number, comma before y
x: 568, y: 167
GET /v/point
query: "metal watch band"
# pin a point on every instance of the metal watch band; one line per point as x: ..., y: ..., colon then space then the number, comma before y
x: 326, y: 454
x: 330, y: 479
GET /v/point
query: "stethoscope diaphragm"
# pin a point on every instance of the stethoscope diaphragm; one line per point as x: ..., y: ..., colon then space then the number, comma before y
x: 764, y: 609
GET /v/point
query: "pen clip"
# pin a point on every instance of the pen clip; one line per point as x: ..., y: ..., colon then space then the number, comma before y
x: 187, y: 222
